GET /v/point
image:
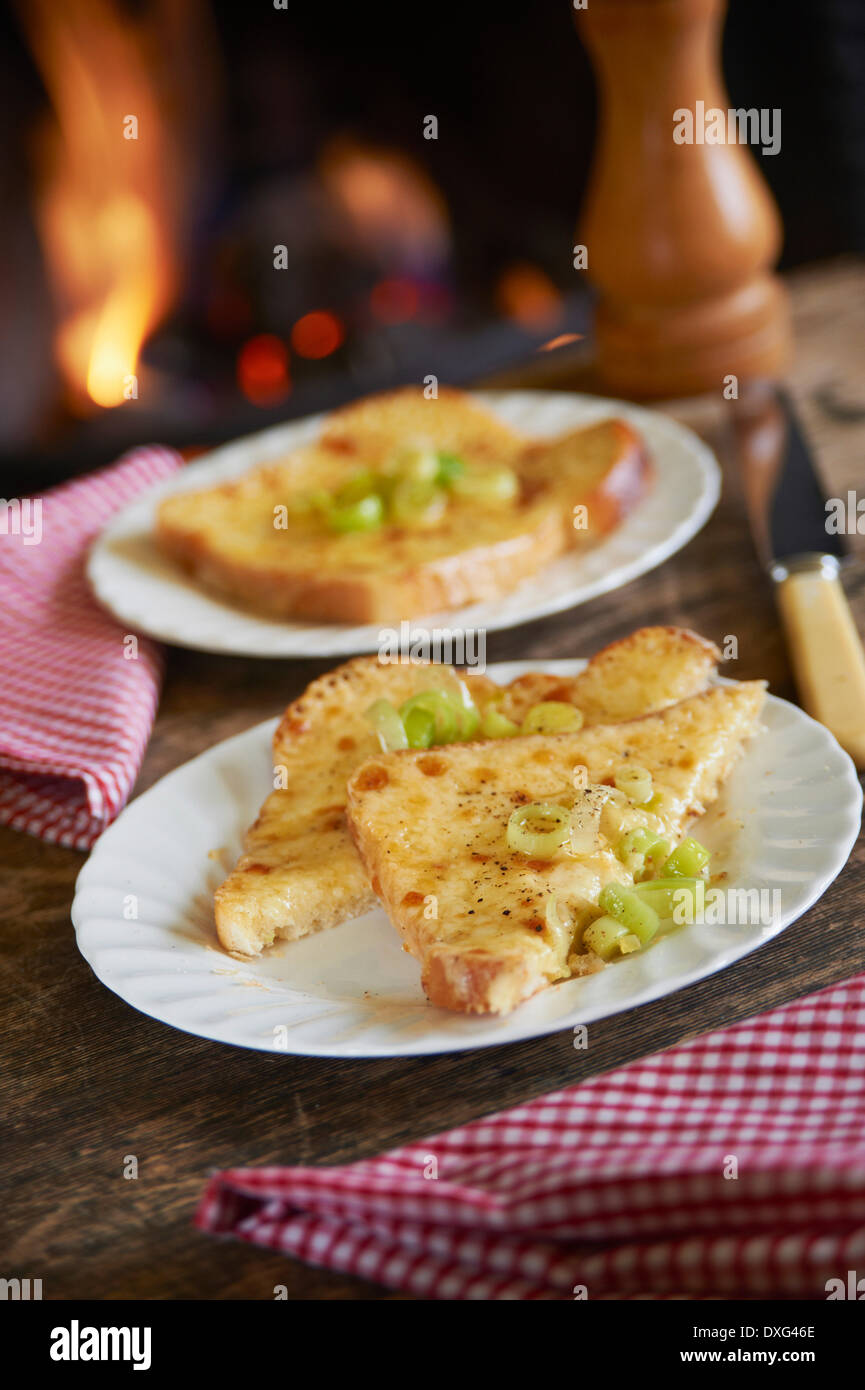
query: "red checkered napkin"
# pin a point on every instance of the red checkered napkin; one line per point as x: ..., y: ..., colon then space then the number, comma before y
x: 623, y: 1186
x: 76, y: 711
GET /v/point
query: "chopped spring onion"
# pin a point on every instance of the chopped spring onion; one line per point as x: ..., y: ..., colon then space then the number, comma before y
x: 306, y: 504
x: 552, y: 717
x: 621, y: 902
x: 450, y: 466
x: 420, y: 465
x: 356, y: 488
x: 635, y: 782
x: 468, y: 714
x: 364, y: 515
x: 471, y: 721
x: 629, y: 943
x: 538, y: 829
x: 687, y: 860
x: 640, y: 845
x: 603, y: 937
x: 417, y: 502
x: 640, y: 840
x: 660, y: 893
x: 487, y: 485
x: 496, y: 725
x: 443, y: 709
x: 420, y: 727
x: 388, y: 725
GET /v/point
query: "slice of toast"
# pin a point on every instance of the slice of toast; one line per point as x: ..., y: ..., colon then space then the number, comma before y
x: 227, y: 539
x: 647, y: 670
x: 431, y: 829
x: 300, y: 871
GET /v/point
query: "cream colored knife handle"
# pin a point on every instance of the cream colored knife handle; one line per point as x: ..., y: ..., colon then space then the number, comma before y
x: 825, y: 648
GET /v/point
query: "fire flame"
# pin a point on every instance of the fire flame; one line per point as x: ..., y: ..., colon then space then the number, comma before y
x: 106, y: 212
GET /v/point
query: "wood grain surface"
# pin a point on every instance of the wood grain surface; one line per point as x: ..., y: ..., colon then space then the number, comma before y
x: 87, y: 1080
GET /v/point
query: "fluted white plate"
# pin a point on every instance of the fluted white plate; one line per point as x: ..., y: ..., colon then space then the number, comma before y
x: 143, y: 913
x: 150, y: 593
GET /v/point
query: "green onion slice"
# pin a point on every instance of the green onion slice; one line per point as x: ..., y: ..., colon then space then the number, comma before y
x: 552, y: 717
x: 450, y: 466
x: 417, y: 502
x: 603, y: 937
x: 443, y: 709
x: 538, y: 829
x: 388, y: 725
x: 687, y: 860
x: 467, y: 712
x: 420, y: 727
x: 356, y: 488
x: 659, y: 894
x: 366, y: 514
x: 640, y: 845
x: 306, y: 504
x: 487, y: 485
x: 635, y: 915
x: 635, y: 782
x: 640, y: 840
x: 419, y: 465
x: 496, y: 725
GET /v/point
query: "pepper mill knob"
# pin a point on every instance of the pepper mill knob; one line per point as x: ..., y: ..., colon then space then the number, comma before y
x: 680, y: 237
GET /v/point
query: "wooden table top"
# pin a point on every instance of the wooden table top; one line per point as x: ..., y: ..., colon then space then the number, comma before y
x: 88, y: 1080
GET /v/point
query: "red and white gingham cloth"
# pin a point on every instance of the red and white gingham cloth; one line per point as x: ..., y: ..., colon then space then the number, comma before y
x: 622, y: 1185
x: 75, y: 712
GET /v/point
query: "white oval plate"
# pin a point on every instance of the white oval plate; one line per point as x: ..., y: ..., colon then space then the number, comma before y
x: 150, y: 593
x: 788, y: 818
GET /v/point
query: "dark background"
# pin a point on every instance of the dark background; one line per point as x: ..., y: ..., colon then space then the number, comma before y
x: 514, y: 94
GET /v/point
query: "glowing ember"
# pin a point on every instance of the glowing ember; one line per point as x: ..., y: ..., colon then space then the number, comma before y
x: 563, y: 340
x: 262, y: 370
x: 528, y: 296
x: 394, y: 301
x: 317, y: 334
x: 393, y: 212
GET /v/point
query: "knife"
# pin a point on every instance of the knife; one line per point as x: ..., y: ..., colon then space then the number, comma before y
x: 788, y: 519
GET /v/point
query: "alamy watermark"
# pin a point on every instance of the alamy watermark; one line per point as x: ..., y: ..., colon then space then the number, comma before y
x: 77, y: 1343
x: 845, y: 516
x: 742, y: 126
x: 460, y: 646
x: 22, y: 516
x: 725, y: 907
x: 20, y: 1290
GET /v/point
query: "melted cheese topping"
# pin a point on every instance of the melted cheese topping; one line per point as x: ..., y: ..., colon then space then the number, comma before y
x: 432, y: 827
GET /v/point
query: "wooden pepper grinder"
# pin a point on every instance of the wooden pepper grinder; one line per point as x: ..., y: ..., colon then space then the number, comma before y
x: 679, y: 237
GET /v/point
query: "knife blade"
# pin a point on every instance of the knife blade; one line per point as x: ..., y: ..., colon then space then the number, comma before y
x: 788, y: 518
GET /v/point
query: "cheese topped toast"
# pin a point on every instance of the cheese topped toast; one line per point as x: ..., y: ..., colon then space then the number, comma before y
x: 431, y: 829
x: 647, y: 670
x: 300, y: 871
x: 274, y: 541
